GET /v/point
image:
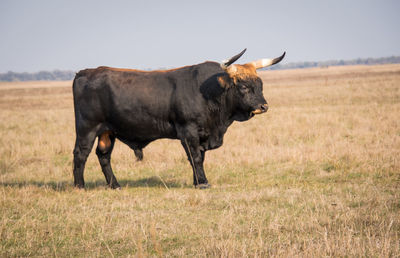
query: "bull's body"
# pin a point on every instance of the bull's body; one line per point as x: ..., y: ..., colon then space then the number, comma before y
x: 138, y: 107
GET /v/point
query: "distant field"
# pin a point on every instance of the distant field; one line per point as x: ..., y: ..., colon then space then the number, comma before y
x: 317, y: 175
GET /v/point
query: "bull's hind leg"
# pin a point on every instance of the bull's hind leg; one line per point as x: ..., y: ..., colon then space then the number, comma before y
x: 104, y: 149
x: 83, y: 146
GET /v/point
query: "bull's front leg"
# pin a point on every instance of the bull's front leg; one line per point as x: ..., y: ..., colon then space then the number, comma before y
x: 196, y: 158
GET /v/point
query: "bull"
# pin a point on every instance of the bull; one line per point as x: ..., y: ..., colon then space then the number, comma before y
x: 194, y: 104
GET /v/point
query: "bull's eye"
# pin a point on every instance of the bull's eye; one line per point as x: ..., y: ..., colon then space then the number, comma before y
x: 244, y: 88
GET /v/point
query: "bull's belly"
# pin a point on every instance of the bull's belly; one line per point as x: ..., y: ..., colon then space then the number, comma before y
x: 144, y: 131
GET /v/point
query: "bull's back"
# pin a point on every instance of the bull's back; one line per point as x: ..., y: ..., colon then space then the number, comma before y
x: 128, y: 101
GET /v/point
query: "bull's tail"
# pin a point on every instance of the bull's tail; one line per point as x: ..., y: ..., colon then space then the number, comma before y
x: 78, y: 86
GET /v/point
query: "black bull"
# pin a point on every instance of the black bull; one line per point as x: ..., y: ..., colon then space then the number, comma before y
x: 195, y: 104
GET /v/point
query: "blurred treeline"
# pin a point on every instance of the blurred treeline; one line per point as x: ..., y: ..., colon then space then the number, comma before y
x: 58, y: 75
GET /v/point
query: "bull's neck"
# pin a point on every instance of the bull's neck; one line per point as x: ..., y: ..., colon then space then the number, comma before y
x: 222, y: 109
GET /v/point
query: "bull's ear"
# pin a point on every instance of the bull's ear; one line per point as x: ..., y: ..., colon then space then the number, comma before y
x: 225, y: 81
x: 229, y: 78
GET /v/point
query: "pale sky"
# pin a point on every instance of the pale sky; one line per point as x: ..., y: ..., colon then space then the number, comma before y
x: 40, y: 35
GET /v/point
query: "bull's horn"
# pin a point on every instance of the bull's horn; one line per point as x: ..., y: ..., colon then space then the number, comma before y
x: 267, y: 62
x: 230, y: 61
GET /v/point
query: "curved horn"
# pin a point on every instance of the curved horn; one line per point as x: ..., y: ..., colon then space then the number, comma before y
x: 267, y: 62
x: 230, y: 61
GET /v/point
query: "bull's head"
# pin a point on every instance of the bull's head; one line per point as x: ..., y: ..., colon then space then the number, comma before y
x: 247, y: 87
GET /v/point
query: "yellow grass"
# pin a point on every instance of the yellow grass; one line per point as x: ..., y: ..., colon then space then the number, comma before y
x: 318, y: 175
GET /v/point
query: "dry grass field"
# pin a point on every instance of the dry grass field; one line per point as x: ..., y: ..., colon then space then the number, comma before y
x: 317, y: 175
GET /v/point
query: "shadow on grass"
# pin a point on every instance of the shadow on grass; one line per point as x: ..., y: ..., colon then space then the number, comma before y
x: 153, y: 182
x: 61, y: 186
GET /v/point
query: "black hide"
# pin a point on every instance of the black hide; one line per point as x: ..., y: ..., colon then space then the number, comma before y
x: 138, y: 107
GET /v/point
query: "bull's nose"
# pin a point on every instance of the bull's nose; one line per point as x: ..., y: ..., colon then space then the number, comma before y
x: 264, y: 108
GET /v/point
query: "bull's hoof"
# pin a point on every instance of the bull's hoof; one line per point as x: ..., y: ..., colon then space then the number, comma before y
x: 115, y: 186
x: 203, y: 186
x: 80, y: 186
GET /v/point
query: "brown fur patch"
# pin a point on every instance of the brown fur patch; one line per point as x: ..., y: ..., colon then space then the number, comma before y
x: 241, y: 72
x: 135, y: 70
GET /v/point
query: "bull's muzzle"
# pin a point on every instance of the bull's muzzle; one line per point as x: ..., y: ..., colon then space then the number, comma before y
x: 263, y: 108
